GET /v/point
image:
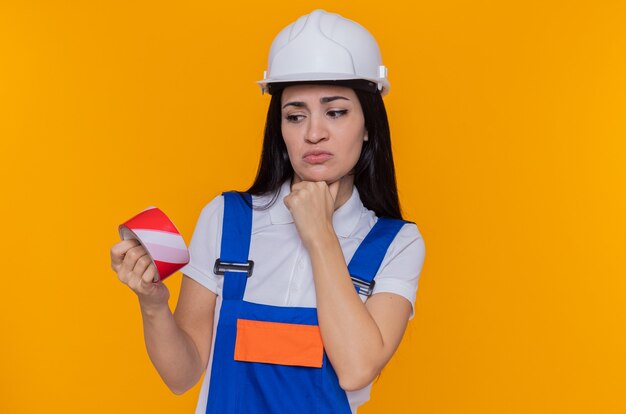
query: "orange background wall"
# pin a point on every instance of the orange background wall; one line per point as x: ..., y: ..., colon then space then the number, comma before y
x: 509, y: 127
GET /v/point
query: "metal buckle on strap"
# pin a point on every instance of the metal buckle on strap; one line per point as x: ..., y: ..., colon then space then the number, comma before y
x: 363, y: 288
x: 221, y: 267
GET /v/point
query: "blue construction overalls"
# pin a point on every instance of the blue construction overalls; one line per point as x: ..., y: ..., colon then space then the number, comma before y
x: 249, y: 386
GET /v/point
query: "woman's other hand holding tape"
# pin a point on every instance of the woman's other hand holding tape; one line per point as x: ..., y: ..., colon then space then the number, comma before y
x: 134, y: 268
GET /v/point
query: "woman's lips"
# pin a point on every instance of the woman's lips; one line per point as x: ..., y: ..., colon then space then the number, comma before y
x: 317, y: 157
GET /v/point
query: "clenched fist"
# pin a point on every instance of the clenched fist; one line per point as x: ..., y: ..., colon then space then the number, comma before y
x: 312, y: 205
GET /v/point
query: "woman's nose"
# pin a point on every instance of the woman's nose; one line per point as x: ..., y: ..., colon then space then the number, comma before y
x: 317, y: 130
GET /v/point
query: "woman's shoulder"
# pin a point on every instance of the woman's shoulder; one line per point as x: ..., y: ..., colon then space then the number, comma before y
x: 409, y: 237
x: 410, y: 230
x: 211, y: 213
x: 214, y: 205
x: 407, y: 240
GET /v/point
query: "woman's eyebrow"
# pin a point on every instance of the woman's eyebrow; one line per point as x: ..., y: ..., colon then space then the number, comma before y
x: 323, y: 100
x: 295, y: 103
x: 327, y: 99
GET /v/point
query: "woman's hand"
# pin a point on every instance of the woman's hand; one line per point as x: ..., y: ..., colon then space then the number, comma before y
x: 312, y: 205
x: 135, y: 269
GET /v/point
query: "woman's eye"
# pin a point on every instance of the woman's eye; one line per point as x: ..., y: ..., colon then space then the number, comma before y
x: 337, y: 113
x: 294, y: 118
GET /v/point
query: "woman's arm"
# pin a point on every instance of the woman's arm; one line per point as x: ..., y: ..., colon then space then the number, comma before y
x: 359, y: 338
x: 179, y: 344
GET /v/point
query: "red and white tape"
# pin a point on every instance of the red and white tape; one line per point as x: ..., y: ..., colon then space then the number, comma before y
x: 156, y: 232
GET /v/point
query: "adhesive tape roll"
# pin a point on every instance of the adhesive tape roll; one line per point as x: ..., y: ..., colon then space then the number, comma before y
x: 156, y: 232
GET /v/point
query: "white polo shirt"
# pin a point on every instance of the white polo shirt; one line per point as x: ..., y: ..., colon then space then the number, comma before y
x: 283, y: 274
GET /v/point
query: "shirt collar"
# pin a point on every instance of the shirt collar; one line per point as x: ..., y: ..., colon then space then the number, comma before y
x: 345, y: 217
x: 279, y: 213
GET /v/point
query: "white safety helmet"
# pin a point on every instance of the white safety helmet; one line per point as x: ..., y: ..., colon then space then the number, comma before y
x: 323, y: 46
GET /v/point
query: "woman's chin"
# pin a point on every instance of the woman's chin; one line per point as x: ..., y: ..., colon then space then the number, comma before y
x: 321, y: 173
x: 329, y: 178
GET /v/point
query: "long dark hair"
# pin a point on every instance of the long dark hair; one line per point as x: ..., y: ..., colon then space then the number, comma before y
x: 374, y: 172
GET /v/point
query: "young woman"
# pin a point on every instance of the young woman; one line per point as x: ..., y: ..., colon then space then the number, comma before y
x: 299, y: 290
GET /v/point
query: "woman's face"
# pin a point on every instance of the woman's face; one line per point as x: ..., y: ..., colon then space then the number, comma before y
x: 324, y: 129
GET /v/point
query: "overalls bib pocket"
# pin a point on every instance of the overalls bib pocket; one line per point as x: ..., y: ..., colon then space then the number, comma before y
x: 279, y: 343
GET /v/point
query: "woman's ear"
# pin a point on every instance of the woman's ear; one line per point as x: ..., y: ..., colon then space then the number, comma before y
x: 365, y: 138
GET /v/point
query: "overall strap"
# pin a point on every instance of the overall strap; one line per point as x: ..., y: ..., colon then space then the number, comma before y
x: 369, y: 255
x: 236, y: 232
